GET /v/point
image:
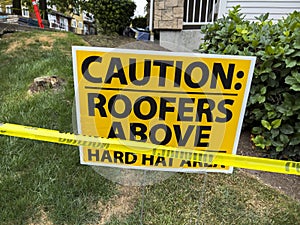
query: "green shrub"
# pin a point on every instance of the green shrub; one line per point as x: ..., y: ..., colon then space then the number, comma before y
x: 273, y: 108
x: 111, y: 15
x: 140, y: 22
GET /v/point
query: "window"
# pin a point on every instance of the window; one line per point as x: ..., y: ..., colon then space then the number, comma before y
x: 80, y: 25
x: 25, y: 12
x: 52, y: 21
x: 0, y: 8
x: 199, y: 12
x: 74, y: 23
x: 61, y: 24
x: 8, y: 9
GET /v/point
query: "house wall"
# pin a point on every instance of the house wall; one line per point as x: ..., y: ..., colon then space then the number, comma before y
x: 254, y: 8
x: 3, y: 3
x: 168, y: 19
x: 79, y: 23
x: 168, y: 14
x: 180, y: 41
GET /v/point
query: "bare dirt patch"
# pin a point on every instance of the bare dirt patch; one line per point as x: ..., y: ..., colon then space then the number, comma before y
x: 60, y: 35
x: 46, y: 42
x: 29, y: 41
x: 13, y: 46
x: 287, y: 184
x: 120, y: 205
x: 41, y: 219
x: 46, y: 39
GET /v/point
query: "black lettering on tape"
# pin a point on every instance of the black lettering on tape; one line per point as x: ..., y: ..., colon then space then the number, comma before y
x: 81, y: 143
x: 154, y: 151
x: 69, y: 141
x: 194, y: 157
x: 182, y: 155
x: 188, y: 155
x: 289, y: 165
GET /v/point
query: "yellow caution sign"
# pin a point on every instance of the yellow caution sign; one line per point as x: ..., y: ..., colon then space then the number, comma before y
x: 123, y: 151
x: 185, y: 100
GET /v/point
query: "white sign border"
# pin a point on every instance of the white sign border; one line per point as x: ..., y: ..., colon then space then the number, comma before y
x: 164, y: 53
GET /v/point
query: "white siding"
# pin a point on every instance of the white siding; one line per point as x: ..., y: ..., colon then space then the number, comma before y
x: 252, y: 8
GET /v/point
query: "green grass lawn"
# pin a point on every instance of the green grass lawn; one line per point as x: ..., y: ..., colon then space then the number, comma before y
x: 43, y: 183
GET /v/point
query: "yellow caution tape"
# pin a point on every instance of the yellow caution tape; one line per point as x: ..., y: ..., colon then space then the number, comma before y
x: 253, y: 163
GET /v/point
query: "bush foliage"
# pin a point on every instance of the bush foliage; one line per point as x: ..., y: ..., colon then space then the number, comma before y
x: 273, y: 108
x: 111, y: 15
x: 140, y: 22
